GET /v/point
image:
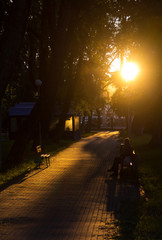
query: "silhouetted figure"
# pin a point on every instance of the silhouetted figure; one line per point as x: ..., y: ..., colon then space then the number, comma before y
x: 125, y: 151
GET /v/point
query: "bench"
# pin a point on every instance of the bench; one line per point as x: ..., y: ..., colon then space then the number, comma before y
x: 42, y: 157
x: 128, y: 167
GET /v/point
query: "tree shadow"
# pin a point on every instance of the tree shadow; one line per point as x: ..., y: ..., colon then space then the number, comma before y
x: 123, y: 200
x: 64, y: 211
x: 122, y: 194
x: 22, y: 177
x: 60, y: 207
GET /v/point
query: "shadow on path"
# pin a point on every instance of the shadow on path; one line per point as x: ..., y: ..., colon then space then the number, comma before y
x: 122, y: 194
x: 65, y: 202
x: 71, y: 194
x: 123, y: 201
x: 103, y: 150
x: 22, y: 177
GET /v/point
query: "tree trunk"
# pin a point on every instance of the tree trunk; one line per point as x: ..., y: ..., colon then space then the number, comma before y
x: 72, y: 20
x: 69, y: 96
x: 11, y: 41
x: 51, y: 85
x: 112, y: 122
x: 44, y: 64
x: 44, y: 43
x: 83, y: 124
x: 98, y: 119
x: 49, y: 89
x: 89, y: 122
x: 32, y: 62
x: 156, y: 136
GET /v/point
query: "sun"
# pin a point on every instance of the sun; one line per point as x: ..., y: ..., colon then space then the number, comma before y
x: 129, y: 71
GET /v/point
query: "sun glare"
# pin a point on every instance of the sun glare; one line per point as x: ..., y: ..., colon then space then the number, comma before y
x: 129, y: 71
x: 115, y: 66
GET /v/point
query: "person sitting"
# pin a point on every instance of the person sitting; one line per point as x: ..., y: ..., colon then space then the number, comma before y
x: 125, y: 151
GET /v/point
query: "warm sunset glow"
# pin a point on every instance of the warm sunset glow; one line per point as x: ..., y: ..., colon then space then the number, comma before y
x: 129, y: 71
x: 115, y: 66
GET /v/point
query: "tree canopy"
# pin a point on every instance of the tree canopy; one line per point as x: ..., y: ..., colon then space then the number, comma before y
x: 70, y: 46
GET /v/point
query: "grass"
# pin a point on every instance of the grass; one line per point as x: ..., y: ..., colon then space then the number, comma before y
x: 88, y: 134
x: 29, y: 159
x: 150, y: 168
x: 147, y: 216
x: 6, y: 146
x: 14, y: 172
x: 30, y: 156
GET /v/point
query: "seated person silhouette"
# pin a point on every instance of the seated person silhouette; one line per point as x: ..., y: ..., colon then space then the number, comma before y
x: 125, y: 151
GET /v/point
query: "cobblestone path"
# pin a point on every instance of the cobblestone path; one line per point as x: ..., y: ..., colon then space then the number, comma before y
x: 70, y: 199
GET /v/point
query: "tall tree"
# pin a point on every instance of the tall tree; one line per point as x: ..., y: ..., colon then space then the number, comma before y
x: 61, y: 46
x: 50, y: 85
x: 140, y: 33
x: 11, y: 40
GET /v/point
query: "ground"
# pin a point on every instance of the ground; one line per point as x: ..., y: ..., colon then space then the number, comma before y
x: 74, y: 198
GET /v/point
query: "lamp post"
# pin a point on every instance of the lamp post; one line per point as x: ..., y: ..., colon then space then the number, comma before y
x: 38, y: 83
x: 129, y: 120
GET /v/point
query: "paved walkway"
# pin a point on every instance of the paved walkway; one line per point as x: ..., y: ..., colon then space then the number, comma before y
x: 70, y: 199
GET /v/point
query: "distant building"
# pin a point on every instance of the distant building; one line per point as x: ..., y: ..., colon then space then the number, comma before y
x: 19, y: 113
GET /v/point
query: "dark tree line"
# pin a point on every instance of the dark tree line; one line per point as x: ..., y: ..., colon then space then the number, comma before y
x: 140, y: 34
x: 68, y: 45
x: 54, y: 40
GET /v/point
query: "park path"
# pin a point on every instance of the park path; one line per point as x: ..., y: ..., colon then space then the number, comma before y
x: 74, y: 198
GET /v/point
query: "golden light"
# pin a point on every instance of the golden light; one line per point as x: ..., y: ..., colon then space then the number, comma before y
x: 115, y: 65
x: 129, y: 71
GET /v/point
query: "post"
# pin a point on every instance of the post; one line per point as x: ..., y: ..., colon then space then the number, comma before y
x: 128, y: 121
x: 38, y: 84
x: 39, y: 124
x: 73, y: 125
x: 40, y: 134
x: 0, y: 136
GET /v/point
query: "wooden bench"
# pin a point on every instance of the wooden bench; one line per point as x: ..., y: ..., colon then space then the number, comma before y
x: 41, y: 157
